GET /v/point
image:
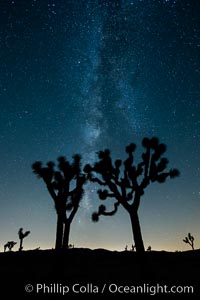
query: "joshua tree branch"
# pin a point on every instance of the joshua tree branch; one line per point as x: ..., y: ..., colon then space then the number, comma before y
x: 104, y: 194
x: 109, y: 213
x: 147, y: 163
x: 73, y: 212
x: 111, y: 195
x: 113, y: 187
x: 95, y: 179
x: 52, y: 192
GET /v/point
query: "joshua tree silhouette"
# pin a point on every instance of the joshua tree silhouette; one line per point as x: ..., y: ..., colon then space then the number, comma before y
x: 21, y: 237
x: 189, y: 240
x: 65, y: 185
x: 9, y: 245
x: 126, y: 185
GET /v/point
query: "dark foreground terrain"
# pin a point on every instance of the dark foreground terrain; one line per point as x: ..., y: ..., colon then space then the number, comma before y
x: 91, y: 273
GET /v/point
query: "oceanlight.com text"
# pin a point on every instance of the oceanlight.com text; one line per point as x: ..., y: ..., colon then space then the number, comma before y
x: 111, y: 288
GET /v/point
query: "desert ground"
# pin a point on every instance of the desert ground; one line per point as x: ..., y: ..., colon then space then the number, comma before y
x: 82, y: 272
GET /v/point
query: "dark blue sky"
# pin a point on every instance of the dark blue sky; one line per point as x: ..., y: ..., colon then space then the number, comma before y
x: 81, y: 76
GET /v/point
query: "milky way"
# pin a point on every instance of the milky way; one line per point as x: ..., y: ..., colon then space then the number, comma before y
x: 81, y: 76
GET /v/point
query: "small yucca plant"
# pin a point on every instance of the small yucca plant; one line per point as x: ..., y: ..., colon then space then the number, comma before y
x: 189, y: 240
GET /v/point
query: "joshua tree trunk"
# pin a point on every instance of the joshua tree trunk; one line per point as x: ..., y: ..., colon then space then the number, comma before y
x: 59, y: 233
x: 66, y: 235
x: 137, y: 235
x: 20, y: 246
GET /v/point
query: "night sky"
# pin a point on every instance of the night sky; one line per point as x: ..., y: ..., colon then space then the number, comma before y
x: 79, y: 76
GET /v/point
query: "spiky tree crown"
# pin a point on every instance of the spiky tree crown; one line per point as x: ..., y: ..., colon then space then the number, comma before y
x: 22, y: 234
x: 127, y: 180
x: 65, y: 183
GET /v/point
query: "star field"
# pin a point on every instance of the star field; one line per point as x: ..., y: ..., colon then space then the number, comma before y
x: 81, y: 76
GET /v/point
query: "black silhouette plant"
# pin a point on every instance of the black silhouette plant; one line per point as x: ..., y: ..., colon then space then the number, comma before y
x: 189, y: 240
x: 9, y: 245
x: 132, y: 248
x: 126, y: 184
x: 21, y: 237
x: 65, y: 185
